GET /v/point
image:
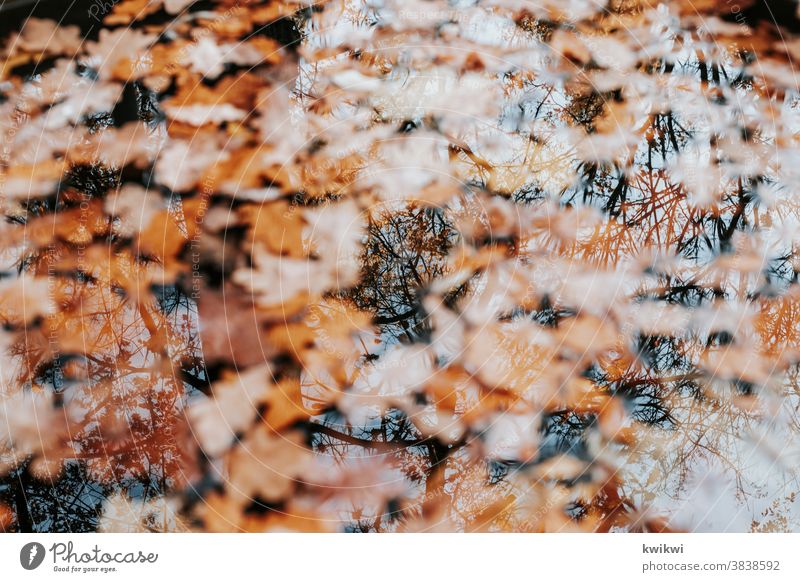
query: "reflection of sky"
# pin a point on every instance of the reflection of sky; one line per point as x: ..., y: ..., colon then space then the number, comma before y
x: 680, y: 468
x: 713, y: 466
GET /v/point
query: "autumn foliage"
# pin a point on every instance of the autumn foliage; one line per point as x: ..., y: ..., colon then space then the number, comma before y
x: 401, y: 265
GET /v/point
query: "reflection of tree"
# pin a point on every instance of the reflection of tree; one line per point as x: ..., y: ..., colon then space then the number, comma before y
x: 405, y: 252
x: 506, y: 389
x: 105, y: 358
x: 71, y: 503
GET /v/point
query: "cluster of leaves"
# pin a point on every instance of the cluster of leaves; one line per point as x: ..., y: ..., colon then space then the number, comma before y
x: 401, y: 265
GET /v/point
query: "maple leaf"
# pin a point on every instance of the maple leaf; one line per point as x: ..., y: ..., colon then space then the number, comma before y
x: 216, y: 422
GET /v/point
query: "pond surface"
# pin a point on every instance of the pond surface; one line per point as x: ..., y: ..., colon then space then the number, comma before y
x: 399, y: 266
